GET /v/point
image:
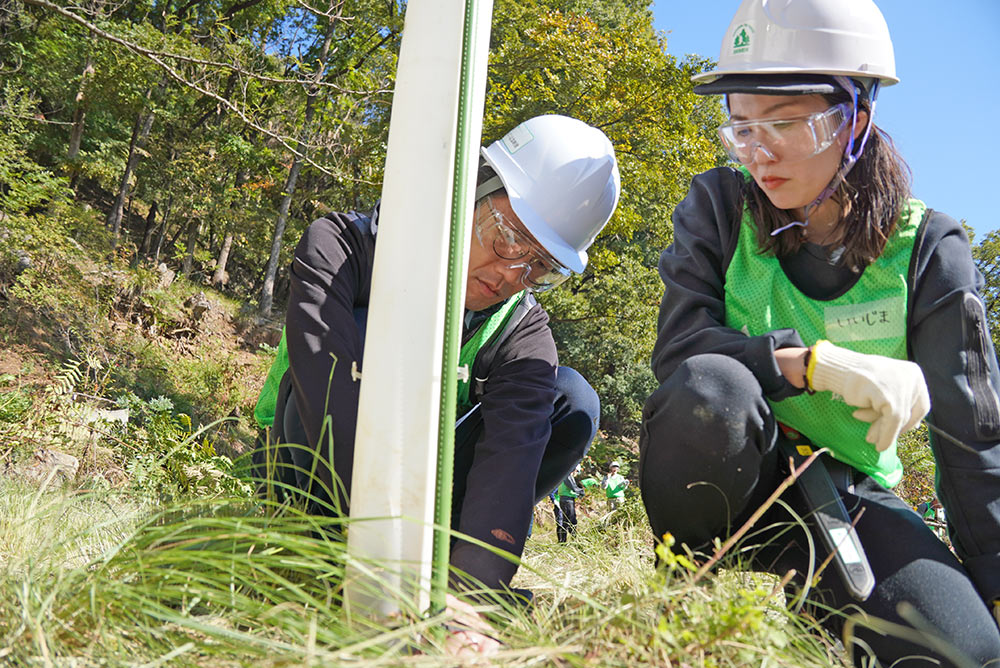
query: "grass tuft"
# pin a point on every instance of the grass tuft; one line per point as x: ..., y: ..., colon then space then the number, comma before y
x: 232, y: 582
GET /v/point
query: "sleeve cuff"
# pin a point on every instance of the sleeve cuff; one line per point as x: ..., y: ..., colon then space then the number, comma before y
x: 760, y: 360
x: 474, y: 567
x: 830, y: 365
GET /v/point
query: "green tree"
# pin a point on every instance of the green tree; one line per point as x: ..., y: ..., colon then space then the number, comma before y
x: 604, y: 64
x: 253, y: 128
x: 986, y: 255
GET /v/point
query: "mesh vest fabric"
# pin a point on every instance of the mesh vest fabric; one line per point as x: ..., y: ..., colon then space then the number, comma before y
x: 868, y: 318
x: 467, y: 355
x: 263, y: 412
x: 268, y: 399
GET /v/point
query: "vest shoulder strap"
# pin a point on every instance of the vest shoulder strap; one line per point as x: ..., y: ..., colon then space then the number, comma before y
x: 911, y: 274
x: 484, y: 360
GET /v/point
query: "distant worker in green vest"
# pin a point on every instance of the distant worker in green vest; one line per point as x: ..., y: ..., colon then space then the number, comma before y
x: 569, y: 491
x: 931, y: 510
x: 544, y: 192
x: 804, y: 286
x: 614, y: 485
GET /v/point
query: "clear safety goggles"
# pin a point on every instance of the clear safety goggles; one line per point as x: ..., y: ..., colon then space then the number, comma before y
x: 786, y: 139
x: 539, y: 270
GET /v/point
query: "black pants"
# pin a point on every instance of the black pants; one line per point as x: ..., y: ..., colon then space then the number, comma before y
x: 556, y: 510
x: 708, y: 460
x: 574, y: 425
x: 568, y: 524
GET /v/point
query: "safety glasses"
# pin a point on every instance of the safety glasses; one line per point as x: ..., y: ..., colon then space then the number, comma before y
x: 786, y: 139
x: 539, y: 270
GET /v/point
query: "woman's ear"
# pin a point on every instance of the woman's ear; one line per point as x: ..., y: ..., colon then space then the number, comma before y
x: 862, y: 123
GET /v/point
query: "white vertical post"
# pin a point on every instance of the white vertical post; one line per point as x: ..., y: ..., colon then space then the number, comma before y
x: 398, y: 416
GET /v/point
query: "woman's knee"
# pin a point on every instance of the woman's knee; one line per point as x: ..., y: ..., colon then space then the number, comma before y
x: 704, y: 436
x: 708, y: 396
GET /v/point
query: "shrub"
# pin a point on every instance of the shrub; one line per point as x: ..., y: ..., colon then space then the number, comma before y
x: 167, y: 458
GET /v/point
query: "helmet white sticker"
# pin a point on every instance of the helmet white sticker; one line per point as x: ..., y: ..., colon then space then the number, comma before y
x: 517, y: 138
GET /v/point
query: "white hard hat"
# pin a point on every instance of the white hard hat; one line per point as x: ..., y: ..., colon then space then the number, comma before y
x: 801, y: 37
x: 614, y: 464
x: 562, y: 179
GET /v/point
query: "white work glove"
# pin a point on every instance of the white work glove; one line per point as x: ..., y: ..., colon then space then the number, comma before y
x: 890, y: 394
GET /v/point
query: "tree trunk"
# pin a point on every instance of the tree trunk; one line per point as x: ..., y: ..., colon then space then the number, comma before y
x: 147, y: 232
x: 143, y: 124
x: 163, y: 230
x: 267, y: 292
x: 192, y: 240
x: 219, y: 278
x: 79, y: 116
x: 127, y: 223
x: 211, y: 229
x: 172, y: 242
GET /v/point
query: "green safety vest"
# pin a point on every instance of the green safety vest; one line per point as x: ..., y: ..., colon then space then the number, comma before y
x: 467, y: 355
x: 263, y: 412
x: 564, y: 492
x: 616, y: 486
x: 268, y: 399
x: 869, y: 318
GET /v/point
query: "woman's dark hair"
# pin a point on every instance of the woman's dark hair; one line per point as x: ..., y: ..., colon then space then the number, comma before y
x: 871, y: 199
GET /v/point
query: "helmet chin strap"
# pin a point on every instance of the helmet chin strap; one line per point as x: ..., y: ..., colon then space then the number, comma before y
x: 850, y: 155
x: 488, y: 187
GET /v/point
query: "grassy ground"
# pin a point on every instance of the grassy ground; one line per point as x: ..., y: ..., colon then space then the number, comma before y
x: 156, y: 554
x: 95, y: 579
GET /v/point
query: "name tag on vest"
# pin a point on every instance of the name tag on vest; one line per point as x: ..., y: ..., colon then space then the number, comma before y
x: 882, y: 319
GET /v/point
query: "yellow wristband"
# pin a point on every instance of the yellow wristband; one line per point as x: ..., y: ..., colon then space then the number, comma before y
x: 811, y: 367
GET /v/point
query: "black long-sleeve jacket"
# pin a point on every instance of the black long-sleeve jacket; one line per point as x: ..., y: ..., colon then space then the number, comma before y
x: 946, y: 332
x: 330, y: 278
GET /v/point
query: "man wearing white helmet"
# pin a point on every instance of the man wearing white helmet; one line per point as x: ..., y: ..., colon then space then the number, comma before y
x: 806, y: 293
x: 543, y: 193
x: 614, y: 484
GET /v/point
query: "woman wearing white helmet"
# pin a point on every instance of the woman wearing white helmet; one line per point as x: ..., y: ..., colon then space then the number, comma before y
x: 544, y: 192
x: 806, y: 288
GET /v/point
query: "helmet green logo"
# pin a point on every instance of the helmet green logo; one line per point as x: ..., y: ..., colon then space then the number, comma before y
x: 741, y: 38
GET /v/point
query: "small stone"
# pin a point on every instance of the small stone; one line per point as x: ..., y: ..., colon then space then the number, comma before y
x: 51, y: 464
x: 167, y: 275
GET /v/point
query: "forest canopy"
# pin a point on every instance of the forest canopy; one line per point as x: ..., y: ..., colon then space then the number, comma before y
x: 208, y: 134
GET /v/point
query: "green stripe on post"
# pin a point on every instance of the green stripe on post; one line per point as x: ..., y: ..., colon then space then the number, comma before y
x: 453, y: 318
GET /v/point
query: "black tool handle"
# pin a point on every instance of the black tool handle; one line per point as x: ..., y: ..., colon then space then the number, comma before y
x: 829, y: 516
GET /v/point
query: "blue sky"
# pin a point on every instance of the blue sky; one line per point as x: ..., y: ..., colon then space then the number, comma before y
x: 943, y: 112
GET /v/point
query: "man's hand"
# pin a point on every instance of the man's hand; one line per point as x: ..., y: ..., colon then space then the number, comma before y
x: 469, y: 635
x: 890, y: 394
